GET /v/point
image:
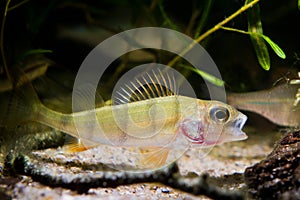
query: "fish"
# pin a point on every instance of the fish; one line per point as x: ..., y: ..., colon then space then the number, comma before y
x: 154, y: 120
x: 277, y: 104
x: 33, y: 67
x: 293, y: 82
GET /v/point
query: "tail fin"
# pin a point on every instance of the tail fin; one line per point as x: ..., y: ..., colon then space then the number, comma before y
x: 19, y: 105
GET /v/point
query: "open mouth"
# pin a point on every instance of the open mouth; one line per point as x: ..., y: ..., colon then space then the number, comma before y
x: 239, y: 123
x: 237, y: 133
x: 234, y: 131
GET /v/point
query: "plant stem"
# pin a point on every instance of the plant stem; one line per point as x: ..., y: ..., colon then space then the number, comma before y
x: 215, y: 28
x: 2, y: 42
x: 165, y: 16
x: 235, y: 30
x: 17, y: 5
x: 206, y: 10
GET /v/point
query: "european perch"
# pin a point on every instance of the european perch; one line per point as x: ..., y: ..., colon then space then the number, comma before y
x: 157, y: 125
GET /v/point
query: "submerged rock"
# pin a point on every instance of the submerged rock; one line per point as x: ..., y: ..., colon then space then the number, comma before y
x: 277, y: 176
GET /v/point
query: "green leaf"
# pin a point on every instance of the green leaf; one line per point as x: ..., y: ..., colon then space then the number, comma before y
x: 210, y: 78
x: 255, y: 29
x: 33, y: 51
x: 274, y: 46
x: 206, y: 76
x: 299, y: 4
x: 36, y: 51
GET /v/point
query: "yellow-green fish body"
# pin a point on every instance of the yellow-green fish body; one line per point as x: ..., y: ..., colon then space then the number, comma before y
x: 150, y: 122
x: 166, y: 122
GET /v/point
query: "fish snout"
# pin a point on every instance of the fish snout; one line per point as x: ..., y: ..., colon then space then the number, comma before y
x: 234, y: 131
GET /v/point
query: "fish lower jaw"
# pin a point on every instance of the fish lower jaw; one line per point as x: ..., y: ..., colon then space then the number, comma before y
x: 235, y: 135
x: 234, y: 130
x: 219, y: 142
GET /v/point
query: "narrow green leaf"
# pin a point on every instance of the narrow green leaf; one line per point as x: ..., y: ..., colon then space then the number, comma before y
x: 32, y: 52
x: 36, y: 51
x: 299, y: 4
x: 255, y: 29
x: 261, y: 51
x: 275, y: 47
x: 272, y: 44
x: 210, y: 78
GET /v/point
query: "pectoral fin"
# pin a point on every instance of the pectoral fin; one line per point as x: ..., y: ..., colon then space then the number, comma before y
x: 77, y: 145
x: 153, y: 157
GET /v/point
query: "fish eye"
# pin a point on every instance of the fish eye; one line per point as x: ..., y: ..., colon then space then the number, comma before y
x: 219, y: 114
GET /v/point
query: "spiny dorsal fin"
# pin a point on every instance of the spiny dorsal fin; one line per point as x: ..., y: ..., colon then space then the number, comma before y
x: 146, y: 86
x: 82, y: 98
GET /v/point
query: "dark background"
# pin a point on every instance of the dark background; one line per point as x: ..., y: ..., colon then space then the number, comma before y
x: 43, y: 24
